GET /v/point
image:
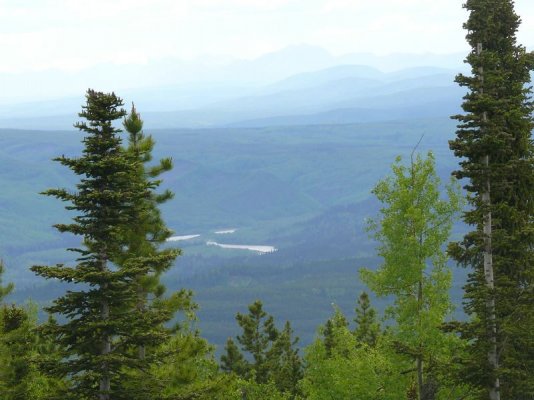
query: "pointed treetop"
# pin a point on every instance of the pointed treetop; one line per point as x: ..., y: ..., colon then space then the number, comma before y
x: 4, y: 290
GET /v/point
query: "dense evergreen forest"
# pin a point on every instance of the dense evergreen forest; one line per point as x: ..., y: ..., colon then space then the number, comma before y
x: 116, y: 332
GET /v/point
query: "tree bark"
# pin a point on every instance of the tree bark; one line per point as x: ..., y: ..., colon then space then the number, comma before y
x: 494, y: 391
x: 105, y: 382
x: 419, y: 359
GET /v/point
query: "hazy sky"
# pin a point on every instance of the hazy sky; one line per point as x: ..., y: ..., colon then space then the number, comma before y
x: 74, y: 34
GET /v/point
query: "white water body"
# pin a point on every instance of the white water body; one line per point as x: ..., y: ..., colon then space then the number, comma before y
x: 259, y: 249
x: 225, y: 232
x: 179, y: 238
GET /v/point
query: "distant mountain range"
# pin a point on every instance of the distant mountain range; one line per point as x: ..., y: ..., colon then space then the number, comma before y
x: 338, y: 94
x: 203, y: 73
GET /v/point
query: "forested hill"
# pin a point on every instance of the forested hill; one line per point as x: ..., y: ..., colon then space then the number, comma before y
x: 288, y: 164
x: 303, y: 189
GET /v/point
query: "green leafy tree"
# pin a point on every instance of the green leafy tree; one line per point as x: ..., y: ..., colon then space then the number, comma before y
x: 243, y: 389
x: 350, y: 369
x: 102, y: 323
x: 186, y: 367
x: 413, y: 226
x: 21, y: 353
x: 495, y: 146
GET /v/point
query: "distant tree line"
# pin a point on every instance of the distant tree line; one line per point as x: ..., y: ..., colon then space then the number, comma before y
x: 118, y: 335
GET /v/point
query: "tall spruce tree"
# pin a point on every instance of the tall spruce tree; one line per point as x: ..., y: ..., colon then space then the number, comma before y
x: 102, y: 325
x: 494, y: 142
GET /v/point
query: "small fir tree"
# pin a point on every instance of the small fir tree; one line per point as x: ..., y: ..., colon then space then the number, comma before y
x: 332, y: 325
x: 367, y: 327
x: 144, y: 238
x: 233, y: 361
x: 271, y: 356
x: 259, y: 332
x: 286, y: 365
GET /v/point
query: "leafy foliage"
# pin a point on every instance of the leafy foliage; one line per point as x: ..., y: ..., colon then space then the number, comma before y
x: 414, y: 225
x: 350, y: 369
x: 22, y: 352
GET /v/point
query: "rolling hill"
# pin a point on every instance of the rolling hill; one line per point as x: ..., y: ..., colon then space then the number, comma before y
x: 303, y: 189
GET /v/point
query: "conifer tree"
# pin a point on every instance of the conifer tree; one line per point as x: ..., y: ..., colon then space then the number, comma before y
x: 185, y: 367
x: 149, y: 231
x: 494, y: 142
x: 271, y: 356
x: 286, y: 365
x: 259, y: 332
x: 367, y: 328
x: 102, y: 325
x: 332, y: 325
x: 233, y: 361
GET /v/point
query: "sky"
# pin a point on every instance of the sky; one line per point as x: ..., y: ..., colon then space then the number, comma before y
x: 71, y: 35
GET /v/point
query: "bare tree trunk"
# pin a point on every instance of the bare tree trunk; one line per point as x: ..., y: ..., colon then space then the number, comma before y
x: 419, y: 359
x: 494, y: 392
x: 105, y: 382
